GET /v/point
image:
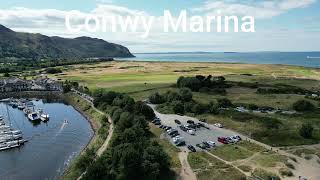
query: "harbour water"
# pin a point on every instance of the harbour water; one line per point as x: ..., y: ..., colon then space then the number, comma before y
x: 51, y: 145
x: 306, y: 59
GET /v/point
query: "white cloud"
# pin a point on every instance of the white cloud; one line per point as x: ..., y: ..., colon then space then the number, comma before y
x: 51, y: 22
x: 259, y: 9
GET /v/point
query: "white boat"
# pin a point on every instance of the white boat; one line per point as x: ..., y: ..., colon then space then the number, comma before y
x: 27, y: 111
x: 4, y: 127
x: 43, y: 116
x: 33, y: 116
x: 9, y: 145
x: 21, y: 106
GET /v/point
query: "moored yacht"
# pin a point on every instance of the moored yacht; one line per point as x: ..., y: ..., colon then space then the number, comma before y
x: 33, y: 116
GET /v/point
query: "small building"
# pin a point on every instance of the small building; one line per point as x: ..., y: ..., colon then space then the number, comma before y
x: 44, y: 83
x: 14, y: 85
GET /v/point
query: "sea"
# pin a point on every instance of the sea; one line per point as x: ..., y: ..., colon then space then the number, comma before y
x: 305, y: 59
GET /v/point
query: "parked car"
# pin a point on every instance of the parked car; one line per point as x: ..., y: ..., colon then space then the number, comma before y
x: 164, y: 126
x: 207, y: 145
x: 190, y: 122
x: 191, y: 132
x: 235, y: 139
x: 223, y: 140
x: 238, y: 137
x: 168, y: 128
x: 177, y: 121
x: 161, y: 126
x: 230, y: 140
x: 179, y: 114
x: 201, y: 146
x: 218, y: 125
x: 191, y: 148
x: 157, y: 123
x: 173, y: 132
x: 211, y: 143
x: 155, y: 120
x: 183, y: 128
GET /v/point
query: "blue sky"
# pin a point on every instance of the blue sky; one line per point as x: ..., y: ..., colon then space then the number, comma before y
x: 281, y: 25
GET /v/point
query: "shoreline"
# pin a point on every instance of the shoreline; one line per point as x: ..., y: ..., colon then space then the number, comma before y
x: 93, y: 124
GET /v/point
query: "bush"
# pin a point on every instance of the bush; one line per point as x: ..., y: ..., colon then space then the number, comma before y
x: 224, y: 103
x: 303, y: 106
x: 156, y: 98
x: 177, y: 107
x: 185, y: 94
x: 53, y: 70
x: 306, y: 131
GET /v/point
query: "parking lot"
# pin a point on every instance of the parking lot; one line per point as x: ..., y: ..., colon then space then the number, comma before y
x: 201, y: 134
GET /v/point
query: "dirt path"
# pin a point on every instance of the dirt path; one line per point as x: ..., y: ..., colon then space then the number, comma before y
x: 229, y: 163
x: 110, y: 131
x: 186, y: 170
x: 107, y: 141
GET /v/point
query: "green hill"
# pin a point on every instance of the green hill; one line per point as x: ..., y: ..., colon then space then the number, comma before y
x: 38, y: 46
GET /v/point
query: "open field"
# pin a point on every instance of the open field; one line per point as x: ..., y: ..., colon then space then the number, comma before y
x: 132, y: 76
x: 207, y: 167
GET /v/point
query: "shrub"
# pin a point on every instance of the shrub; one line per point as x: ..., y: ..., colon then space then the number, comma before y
x: 156, y: 98
x: 306, y: 131
x: 224, y: 103
x: 303, y: 106
x: 177, y: 107
x: 53, y: 70
x: 185, y: 94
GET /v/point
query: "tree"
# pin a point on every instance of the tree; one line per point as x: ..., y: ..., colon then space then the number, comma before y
x: 177, y: 107
x: 156, y: 98
x: 6, y: 74
x: 185, y: 94
x: 303, y: 106
x: 306, y: 131
x: 189, y: 82
x: 145, y: 110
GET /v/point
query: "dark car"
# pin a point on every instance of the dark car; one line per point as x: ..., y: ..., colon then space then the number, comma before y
x: 177, y: 121
x: 157, y: 123
x: 173, y: 132
x: 201, y: 146
x: 155, y: 120
x: 181, y: 143
x: 161, y: 126
x: 223, y: 140
x: 207, y: 145
x: 190, y: 122
x: 167, y: 128
x: 191, y: 148
x: 183, y: 128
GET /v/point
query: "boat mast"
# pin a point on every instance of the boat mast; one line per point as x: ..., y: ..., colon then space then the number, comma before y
x: 8, y: 114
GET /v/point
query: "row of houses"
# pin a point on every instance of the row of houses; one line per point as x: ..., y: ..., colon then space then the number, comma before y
x: 15, y: 84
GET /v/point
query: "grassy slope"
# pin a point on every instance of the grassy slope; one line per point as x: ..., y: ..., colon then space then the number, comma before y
x: 95, y: 119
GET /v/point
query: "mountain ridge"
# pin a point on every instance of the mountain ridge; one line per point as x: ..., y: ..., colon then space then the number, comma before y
x: 37, y: 46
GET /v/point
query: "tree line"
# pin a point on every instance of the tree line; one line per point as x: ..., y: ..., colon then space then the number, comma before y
x: 132, y: 153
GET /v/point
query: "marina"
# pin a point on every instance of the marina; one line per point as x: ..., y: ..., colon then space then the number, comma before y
x: 34, y: 131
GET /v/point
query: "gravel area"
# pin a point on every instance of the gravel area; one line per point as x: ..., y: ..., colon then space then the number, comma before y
x: 201, y: 134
